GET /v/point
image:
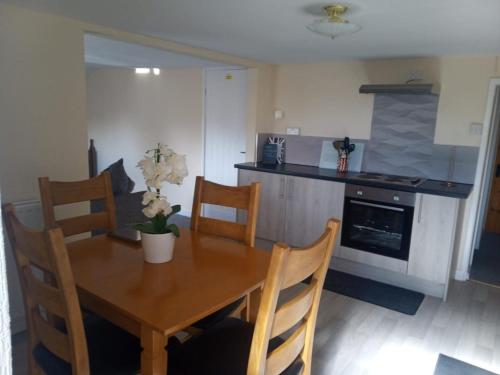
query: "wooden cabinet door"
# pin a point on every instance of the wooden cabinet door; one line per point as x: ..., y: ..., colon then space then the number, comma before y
x: 270, y: 222
x: 310, y: 203
x: 432, y: 237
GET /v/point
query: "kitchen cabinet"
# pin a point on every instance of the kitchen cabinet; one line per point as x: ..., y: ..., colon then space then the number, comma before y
x: 309, y: 204
x: 294, y: 209
x: 432, y: 238
x: 272, y: 203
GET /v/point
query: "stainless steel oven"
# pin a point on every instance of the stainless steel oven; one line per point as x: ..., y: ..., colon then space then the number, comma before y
x: 378, y: 220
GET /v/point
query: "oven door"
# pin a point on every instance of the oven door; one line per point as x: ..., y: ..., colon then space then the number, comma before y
x: 380, y: 228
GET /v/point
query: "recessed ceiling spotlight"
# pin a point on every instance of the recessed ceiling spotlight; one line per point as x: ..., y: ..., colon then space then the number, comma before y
x: 142, y: 70
x: 333, y: 25
x: 156, y: 71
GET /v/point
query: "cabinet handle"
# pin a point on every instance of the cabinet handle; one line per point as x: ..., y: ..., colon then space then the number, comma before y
x: 420, y: 208
x: 282, y: 187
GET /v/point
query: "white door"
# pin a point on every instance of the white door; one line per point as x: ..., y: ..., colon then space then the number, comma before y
x: 225, y: 129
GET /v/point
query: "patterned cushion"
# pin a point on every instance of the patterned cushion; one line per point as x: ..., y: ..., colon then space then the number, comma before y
x: 112, y: 351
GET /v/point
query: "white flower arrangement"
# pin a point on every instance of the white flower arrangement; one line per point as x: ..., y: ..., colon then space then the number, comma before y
x: 160, y: 164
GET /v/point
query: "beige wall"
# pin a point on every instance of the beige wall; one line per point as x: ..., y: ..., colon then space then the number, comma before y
x: 43, y: 129
x: 42, y: 102
x: 129, y: 113
x: 323, y: 100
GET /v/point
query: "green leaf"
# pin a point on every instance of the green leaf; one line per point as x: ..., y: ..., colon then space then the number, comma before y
x: 174, y: 229
x: 146, y: 228
x: 160, y: 223
x: 175, y: 209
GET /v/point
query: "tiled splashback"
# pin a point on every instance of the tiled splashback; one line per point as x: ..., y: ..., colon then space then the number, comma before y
x: 401, y: 143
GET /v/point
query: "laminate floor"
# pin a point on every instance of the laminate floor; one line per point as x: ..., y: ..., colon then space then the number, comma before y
x: 355, y: 337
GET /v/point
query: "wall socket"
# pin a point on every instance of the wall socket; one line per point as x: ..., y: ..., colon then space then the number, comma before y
x: 476, y: 128
x: 293, y: 131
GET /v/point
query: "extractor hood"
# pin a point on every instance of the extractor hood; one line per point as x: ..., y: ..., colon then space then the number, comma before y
x: 405, y: 88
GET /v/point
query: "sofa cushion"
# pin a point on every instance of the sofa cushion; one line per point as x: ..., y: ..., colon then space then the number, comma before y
x: 120, y: 181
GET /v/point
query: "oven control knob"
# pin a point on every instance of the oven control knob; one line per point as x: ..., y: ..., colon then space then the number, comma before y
x: 396, y: 198
x: 359, y: 192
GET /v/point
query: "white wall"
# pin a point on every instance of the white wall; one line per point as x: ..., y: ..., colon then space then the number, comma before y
x: 130, y: 113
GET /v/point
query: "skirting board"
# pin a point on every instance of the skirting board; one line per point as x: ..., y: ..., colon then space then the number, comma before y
x: 461, y: 275
x: 388, y: 277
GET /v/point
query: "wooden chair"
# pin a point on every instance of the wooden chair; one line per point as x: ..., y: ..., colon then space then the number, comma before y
x: 62, y: 348
x: 234, y: 347
x: 55, y: 193
x: 240, y: 197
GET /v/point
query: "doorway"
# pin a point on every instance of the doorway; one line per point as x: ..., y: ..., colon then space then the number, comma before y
x: 225, y: 130
x: 485, y: 266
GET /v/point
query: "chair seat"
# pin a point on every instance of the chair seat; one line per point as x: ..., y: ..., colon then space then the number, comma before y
x: 220, y: 350
x: 112, y: 351
x: 218, y: 316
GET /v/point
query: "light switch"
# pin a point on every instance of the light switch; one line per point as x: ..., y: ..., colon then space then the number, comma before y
x: 293, y: 131
x: 476, y: 128
x: 278, y: 114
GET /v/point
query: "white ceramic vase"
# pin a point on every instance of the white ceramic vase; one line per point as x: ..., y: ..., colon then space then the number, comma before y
x: 158, y: 248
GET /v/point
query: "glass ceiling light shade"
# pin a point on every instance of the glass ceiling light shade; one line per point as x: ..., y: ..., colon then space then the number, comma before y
x: 333, y: 25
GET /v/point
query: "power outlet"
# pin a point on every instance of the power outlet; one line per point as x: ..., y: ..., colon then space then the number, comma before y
x: 476, y: 128
x: 293, y: 131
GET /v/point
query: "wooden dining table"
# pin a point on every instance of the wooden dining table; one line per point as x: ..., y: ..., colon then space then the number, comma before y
x: 155, y: 301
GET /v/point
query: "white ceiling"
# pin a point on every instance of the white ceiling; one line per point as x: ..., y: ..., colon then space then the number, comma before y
x: 274, y: 30
x: 108, y: 52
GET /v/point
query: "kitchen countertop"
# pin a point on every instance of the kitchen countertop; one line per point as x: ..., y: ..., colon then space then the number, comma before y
x: 457, y: 190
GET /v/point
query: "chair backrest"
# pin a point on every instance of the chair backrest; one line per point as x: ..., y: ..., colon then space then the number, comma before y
x: 56, y: 193
x: 53, y: 295
x: 297, y: 316
x: 240, y: 197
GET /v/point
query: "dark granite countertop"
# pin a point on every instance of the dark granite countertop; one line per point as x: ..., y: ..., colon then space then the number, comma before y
x: 434, y: 187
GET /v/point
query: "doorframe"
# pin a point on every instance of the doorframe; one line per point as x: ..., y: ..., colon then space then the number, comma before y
x: 489, y: 138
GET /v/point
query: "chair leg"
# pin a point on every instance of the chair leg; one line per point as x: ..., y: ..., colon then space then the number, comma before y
x: 241, y: 312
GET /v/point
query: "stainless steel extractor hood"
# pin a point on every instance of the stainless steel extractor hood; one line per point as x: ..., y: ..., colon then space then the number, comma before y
x: 406, y: 88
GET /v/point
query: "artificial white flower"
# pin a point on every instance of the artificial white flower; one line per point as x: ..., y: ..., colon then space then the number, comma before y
x: 166, y: 151
x: 148, y: 197
x: 157, y: 206
x: 148, y: 167
x: 179, y: 169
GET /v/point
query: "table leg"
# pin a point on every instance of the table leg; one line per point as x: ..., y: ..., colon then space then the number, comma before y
x: 253, y: 304
x: 154, y: 355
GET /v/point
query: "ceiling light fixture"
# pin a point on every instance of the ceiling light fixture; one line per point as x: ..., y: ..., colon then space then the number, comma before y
x: 333, y: 25
x: 142, y: 70
x: 156, y: 71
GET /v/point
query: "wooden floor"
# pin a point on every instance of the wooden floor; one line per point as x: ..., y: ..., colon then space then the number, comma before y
x: 354, y: 337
